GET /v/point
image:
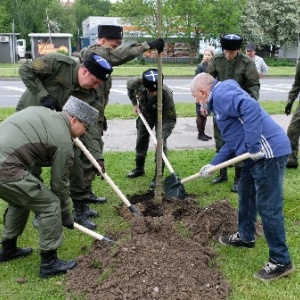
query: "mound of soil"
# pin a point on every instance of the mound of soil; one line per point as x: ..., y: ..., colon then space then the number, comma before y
x: 165, y: 254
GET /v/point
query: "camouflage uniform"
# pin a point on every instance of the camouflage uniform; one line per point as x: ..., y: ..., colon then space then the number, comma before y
x: 293, y: 131
x: 57, y: 75
x: 139, y: 95
x: 35, y: 137
x: 115, y: 57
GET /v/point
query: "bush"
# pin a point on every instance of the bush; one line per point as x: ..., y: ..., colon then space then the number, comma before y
x: 279, y: 62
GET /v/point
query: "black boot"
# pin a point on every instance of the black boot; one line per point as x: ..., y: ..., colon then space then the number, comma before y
x: 139, y: 170
x: 153, y: 182
x: 51, y: 265
x: 237, y: 176
x: 90, y: 213
x: 80, y: 216
x: 222, y: 176
x: 93, y: 199
x: 10, y: 250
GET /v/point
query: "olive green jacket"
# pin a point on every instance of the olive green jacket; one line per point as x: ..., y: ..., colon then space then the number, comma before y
x: 242, y: 69
x: 294, y: 92
x: 57, y: 75
x: 37, y: 136
x: 138, y: 95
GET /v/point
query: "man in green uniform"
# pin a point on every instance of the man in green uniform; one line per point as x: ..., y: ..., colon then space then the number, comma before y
x: 37, y: 136
x: 142, y: 91
x: 108, y: 46
x: 50, y: 80
x: 293, y: 131
x: 233, y: 64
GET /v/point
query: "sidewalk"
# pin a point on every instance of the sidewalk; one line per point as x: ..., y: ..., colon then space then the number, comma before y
x: 121, y: 134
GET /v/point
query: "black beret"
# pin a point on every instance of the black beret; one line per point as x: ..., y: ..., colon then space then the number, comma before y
x: 231, y: 42
x: 150, y: 79
x: 98, y: 66
x: 112, y: 32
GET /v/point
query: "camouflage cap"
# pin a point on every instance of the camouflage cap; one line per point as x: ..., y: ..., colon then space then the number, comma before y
x: 81, y: 110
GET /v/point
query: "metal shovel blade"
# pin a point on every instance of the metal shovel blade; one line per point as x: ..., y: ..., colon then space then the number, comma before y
x: 173, y: 187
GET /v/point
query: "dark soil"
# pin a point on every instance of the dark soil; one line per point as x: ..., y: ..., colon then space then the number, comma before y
x: 165, y: 254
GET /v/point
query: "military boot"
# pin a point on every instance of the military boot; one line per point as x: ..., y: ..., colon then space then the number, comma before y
x: 222, y: 176
x: 90, y: 213
x: 10, y: 250
x: 292, y: 162
x: 80, y: 217
x: 93, y: 199
x: 139, y: 169
x: 51, y: 265
x: 237, y: 176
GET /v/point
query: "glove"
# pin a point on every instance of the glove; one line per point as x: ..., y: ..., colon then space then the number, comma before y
x: 158, y: 44
x: 288, y: 109
x: 49, y: 102
x: 104, y: 124
x: 67, y: 220
x: 101, y: 164
x: 203, y: 171
x: 258, y: 155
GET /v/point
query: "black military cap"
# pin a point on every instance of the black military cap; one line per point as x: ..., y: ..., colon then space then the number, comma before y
x: 231, y: 42
x: 112, y: 32
x: 150, y: 79
x: 98, y: 66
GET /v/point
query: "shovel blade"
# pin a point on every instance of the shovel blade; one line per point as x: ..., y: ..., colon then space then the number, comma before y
x: 173, y: 187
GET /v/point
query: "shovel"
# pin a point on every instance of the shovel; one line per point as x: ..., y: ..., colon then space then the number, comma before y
x: 175, y: 189
x: 172, y: 178
x: 106, y: 177
x: 92, y: 233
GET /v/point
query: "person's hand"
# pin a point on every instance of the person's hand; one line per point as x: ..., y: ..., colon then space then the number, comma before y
x: 288, y: 109
x: 158, y: 44
x: 67, y: 220
x: 49, y: 102
x: 104, y: 124
x: 257, y: 155
x: 204, y: 171
x: 101, y: 164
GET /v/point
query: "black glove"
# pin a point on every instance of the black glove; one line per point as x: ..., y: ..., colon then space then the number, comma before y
x: 288, y: 108
x: 101, y: 164
x: 104, y: 124
x: 49, y: 102
x: 67, y: 220
x: 158, y: 44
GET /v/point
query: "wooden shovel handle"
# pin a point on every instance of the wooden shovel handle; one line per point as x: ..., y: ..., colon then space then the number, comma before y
x: 219, y: 166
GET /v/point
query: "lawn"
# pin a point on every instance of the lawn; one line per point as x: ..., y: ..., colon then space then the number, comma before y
x: 238, y: 265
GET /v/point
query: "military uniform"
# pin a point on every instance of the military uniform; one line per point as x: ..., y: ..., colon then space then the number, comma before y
x: 293, y: 131
x: 139, y: 95
x: 41, y: 137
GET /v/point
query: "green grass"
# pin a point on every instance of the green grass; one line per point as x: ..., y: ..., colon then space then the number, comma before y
x: 130, y: 69
x: 238, y: 265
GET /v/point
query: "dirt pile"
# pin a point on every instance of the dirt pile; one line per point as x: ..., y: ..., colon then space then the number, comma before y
x: 164, y: 255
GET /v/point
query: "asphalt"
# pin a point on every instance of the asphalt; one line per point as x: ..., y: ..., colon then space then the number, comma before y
x: 121, y: 134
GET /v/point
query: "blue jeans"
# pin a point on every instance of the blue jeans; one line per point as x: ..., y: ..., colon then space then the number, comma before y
x: 260, y: 192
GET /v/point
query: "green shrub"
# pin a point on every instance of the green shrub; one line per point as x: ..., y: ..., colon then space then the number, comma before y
x: 279, y: 62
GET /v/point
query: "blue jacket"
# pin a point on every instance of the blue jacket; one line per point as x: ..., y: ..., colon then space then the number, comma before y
x: 244, y: 125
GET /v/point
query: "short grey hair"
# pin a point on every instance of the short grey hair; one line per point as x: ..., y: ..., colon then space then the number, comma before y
x: 202, y: 80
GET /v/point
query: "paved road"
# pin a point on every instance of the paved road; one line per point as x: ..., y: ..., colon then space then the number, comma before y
x: 271, y: 89
x: 121, y: 134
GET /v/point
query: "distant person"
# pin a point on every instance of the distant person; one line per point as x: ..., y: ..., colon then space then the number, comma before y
x: 246, y: 128
x: 260, y: 64
x: 142, y: 91
x: 232, y: 63
x: 108, y: 45
x: 38, y: 136
x: 201, y: 113
x: 293, y: 130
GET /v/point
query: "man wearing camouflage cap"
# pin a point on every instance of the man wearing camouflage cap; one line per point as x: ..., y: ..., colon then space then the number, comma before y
x: 142, y: 91
x: 108, y: 46
x: 233, y: 64
x: 50, y: 81
x: 38, y: 136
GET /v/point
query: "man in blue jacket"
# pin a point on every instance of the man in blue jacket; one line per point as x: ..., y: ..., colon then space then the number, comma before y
x: 246, y: 127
